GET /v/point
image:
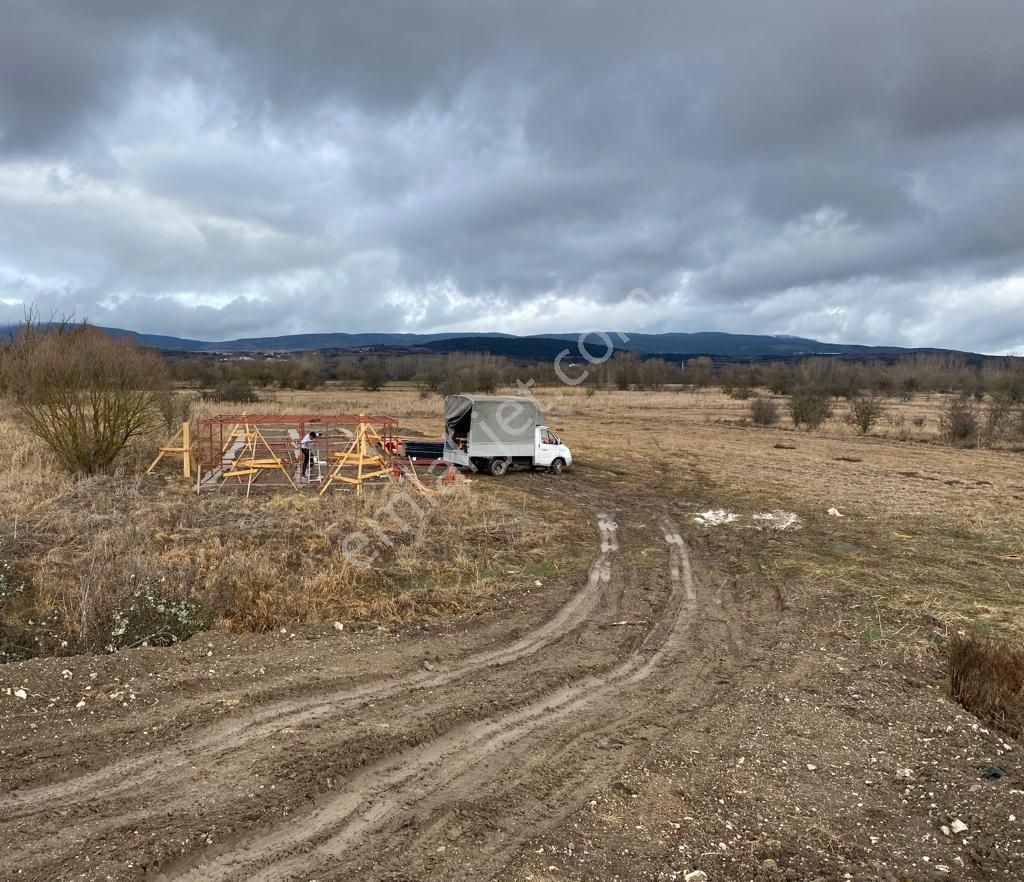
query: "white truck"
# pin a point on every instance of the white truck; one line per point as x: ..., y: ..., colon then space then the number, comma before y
x: 495, y: 433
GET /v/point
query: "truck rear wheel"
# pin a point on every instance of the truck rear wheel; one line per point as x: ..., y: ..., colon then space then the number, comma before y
x: 498, y: 467
x: 557, y: 466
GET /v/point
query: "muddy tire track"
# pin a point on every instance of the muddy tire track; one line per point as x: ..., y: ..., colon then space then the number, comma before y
x: 517, y: 732
x: 455, y: 765
x: 119, y: 796
x: 272, y: 718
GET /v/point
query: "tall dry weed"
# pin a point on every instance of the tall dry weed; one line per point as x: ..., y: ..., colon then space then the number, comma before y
x: 987, y: 677
x: 87, y: 544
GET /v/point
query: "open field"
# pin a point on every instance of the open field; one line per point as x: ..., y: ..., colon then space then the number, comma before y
x: 555, y: 678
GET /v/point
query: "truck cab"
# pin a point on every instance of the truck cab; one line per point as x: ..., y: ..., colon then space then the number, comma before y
x: 549, y: 452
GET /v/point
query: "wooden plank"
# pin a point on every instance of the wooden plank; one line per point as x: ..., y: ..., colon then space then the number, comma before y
x: 186, y: 451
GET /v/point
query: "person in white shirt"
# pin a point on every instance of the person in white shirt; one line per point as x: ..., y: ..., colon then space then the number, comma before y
x: 307, y: 440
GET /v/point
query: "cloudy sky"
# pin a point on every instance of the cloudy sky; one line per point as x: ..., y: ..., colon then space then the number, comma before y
x: 851, y: 171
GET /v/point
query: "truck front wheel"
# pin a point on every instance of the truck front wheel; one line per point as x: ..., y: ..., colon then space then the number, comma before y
x: 498, y: 467
x: 557, y: 466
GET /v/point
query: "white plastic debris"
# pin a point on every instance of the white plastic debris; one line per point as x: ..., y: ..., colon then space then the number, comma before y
x: 66, y: 674
x: 715, y: 517
x: 836, y: 513
x: 20, y: 693
x: 777, y: 521
x: 338, y: 626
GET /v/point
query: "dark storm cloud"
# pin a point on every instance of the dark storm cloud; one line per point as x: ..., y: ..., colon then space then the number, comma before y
x: 216, y: 169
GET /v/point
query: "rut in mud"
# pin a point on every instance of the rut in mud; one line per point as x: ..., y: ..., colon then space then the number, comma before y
x: 268, y: 720
x: 508, y: 736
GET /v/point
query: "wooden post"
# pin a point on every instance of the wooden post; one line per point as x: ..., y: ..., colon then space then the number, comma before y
x: 186, y: 450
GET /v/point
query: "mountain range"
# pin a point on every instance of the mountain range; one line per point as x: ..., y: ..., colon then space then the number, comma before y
x: 738, y: 347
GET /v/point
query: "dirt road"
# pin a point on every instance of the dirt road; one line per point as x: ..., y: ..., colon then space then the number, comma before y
x: 632, y: 726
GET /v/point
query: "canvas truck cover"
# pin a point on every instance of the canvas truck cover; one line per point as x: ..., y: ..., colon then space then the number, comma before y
x: 493, y: 426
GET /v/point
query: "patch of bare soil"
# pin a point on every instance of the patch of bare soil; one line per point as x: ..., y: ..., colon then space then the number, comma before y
x: 650, y: 723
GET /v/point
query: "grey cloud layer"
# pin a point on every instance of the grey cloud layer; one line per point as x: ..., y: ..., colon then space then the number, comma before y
x: 846, y: 170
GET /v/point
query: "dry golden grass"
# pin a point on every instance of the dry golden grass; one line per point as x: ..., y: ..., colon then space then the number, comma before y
x: 931, y: 536
x: 86, y: 545
x: 987, y: 678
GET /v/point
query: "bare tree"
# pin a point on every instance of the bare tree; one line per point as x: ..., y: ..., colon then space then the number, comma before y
x: 82, y: 392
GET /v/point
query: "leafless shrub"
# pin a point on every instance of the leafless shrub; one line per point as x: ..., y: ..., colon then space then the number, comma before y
x: 741, y: 393
x: 865, y: 411
x: 987, y: 677
x: 764, y: 412
x: 175, y: 408
x: 998, y: 412
x: 233, y: 391
x: 83, y: 393
x: 958, y: 423
x: 810, y: 407
x: 374, y: 374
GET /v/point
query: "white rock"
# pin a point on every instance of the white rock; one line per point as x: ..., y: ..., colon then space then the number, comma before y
x: 20, y: 693
x: 836, y: 513
x: 904, y: 773
x: 66, y: 674
x: 338, y: 626
x: 958, y: 826
x: 538, y: 584
x: 696, y: 876
x: 945, y: 830
x: 80, y: 704
x: 811, y: 767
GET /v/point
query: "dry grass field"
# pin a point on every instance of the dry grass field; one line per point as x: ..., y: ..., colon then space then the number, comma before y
x: 929, y: 539
x: 86, y: 547
x: 930, y: 536
x: 672, y: 662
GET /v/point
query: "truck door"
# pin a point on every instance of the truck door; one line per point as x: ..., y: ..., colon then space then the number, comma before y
x: 545, y: 448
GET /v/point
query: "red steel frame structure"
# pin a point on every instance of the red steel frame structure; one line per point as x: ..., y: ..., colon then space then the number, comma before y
x: 212, y: 437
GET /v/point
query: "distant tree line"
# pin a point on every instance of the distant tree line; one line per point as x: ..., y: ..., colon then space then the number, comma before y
x: 89, y: 396
x: 241, y: 377
x: 480, y: 372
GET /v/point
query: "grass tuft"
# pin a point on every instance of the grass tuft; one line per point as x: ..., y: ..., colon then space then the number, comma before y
x: 987, y: 677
